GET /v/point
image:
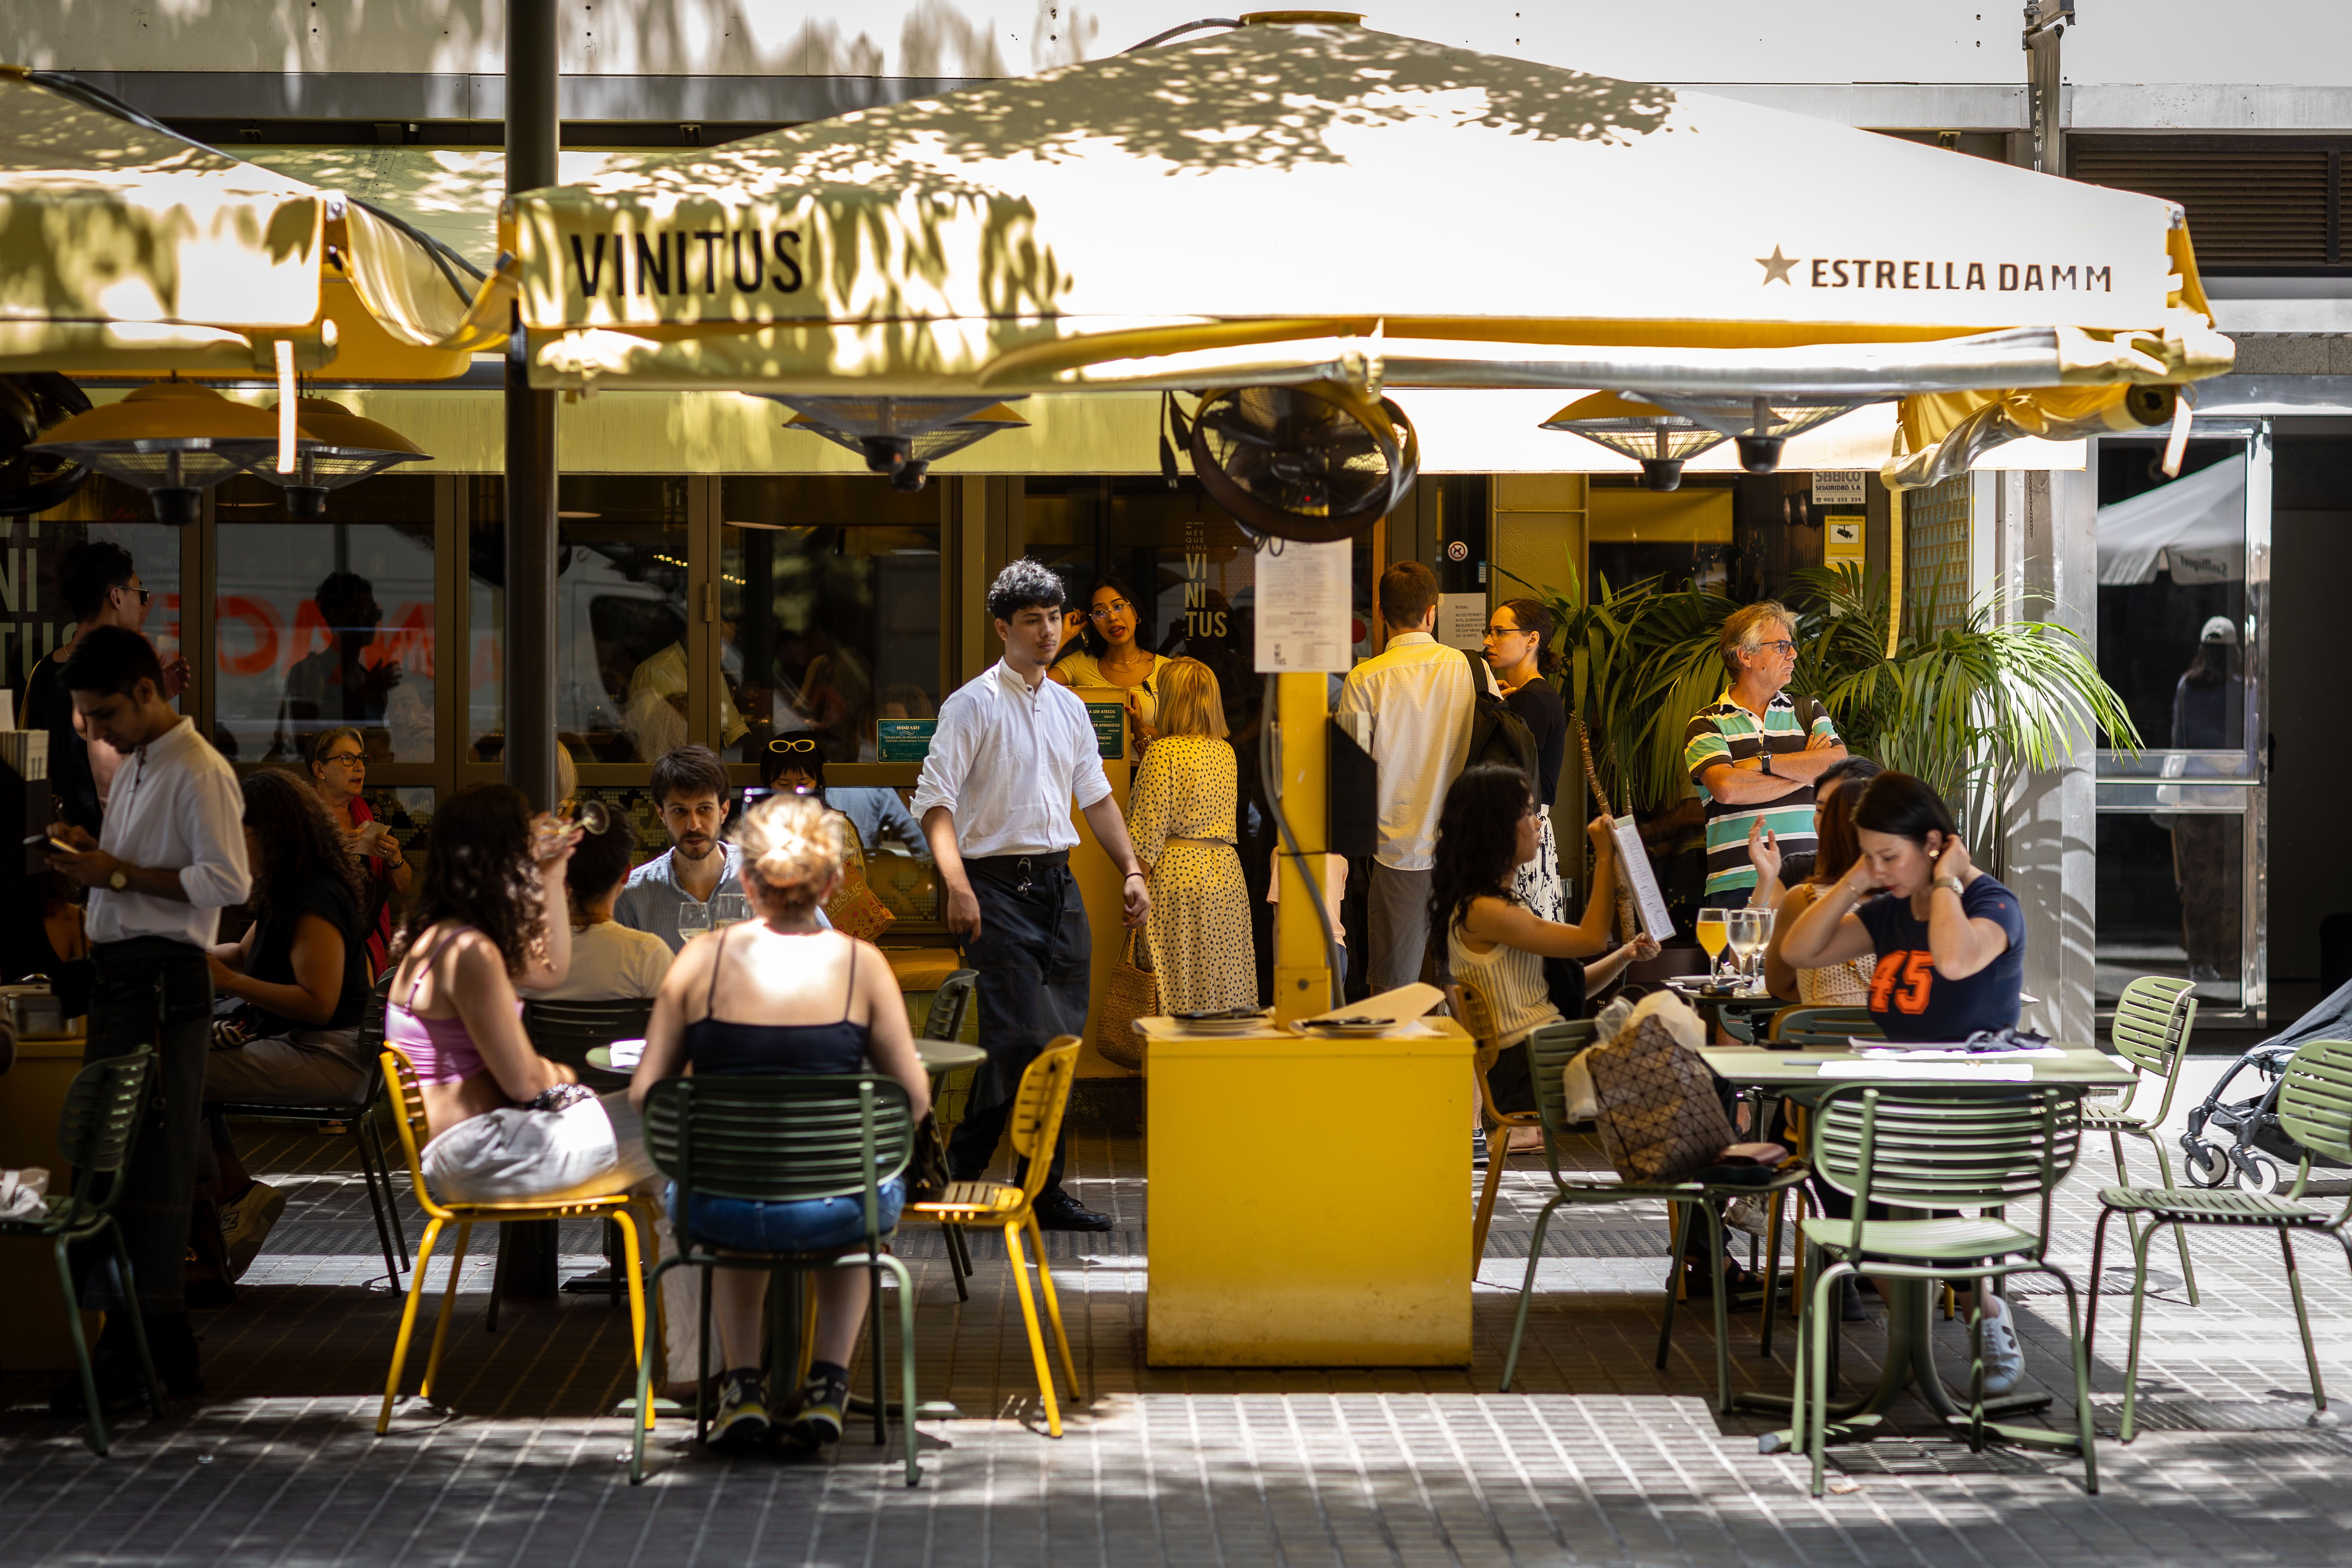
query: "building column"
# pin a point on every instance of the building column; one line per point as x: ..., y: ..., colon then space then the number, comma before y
x: 2045, y: 552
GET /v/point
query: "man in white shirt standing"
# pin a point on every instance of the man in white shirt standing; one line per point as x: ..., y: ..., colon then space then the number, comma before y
x: 1011, y: 751
x: 170, y: 858
x: 1417, y: 699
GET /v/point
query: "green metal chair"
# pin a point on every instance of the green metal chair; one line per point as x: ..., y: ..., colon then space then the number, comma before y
x: 95, y: 1134
x: 1804, y: 1025
x: 2315, y: 1106
x: 1939, y: 1148
x: 2153, y: 1018
x: 566, y: 1032
x: 1550, y: 1047
x: 784, y: 1139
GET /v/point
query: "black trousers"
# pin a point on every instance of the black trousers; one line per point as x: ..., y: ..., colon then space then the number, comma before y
x: 1034, y: 954
x: 150, y: 990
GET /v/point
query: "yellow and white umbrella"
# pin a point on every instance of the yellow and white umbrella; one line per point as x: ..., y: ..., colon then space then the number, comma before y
x: 1303, y: 201
x: 128, y: 250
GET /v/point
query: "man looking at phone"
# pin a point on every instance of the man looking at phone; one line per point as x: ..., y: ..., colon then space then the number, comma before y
x: 171, y: 857
x: 1011, y: 751
x: 1753, y: 755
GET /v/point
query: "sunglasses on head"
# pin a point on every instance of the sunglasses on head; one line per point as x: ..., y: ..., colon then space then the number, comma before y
x: 797, y: 744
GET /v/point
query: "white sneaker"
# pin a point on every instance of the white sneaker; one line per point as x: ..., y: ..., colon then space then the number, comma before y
x: 245, y: 1224
x: 2004, y: 1358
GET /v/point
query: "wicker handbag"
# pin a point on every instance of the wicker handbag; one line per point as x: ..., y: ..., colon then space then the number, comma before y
x: 1133, y: 993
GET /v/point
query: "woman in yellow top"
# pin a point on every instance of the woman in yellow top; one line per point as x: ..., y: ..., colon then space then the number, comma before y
x: 1113, y: 656
x: 1180, y: 816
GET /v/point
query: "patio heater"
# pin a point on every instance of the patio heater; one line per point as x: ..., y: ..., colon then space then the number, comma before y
x: 900, y: 437
x: 338, y: 448
x: 1758, y: 427
x: 173, y: 439
x: 1660, y: 441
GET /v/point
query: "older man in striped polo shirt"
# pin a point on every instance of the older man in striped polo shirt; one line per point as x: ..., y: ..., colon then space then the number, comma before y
x: 1754, y: 755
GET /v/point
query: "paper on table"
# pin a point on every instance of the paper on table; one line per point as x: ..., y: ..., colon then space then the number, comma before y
x: 1874, y: 1047
x: 1304, y: 610
x: 625, y: 1053
x: 1975, y: 1071
x: 1404, y: 1002
x: 1633, y: 863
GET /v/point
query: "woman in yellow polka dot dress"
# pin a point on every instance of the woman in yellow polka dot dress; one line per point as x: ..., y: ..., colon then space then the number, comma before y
x: 1180, y: 816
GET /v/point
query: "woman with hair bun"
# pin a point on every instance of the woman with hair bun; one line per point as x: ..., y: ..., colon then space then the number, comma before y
x: 1518, y: 638
x: 783, y: 993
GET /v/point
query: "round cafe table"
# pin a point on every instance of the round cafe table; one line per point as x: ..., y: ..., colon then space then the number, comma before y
x: 938, y: 1056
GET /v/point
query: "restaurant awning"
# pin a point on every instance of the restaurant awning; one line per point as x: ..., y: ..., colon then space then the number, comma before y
x: 127, y: 249
x: 1300, y: 201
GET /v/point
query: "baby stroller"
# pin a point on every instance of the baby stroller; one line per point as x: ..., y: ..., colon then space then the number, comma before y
x: 2260, y: 1155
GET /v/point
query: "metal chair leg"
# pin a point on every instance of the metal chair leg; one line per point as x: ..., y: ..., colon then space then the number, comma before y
x: 2181, y: 1232
x: 408, y: 1323
x: 1498, y: 1154
x: 1036, y: 1339
x: 1722, y: 1311
x: 2127, y: 1430
x: 448, y: 1306
x: 1054, y: 1309
x: 1674, y: 1273
x: 91, y: 1406
x: 126, y: 1285
x: 881, y: 1394
x: 1527, y: 1291
x: 2303, y: 1320
x: 378, y: 1202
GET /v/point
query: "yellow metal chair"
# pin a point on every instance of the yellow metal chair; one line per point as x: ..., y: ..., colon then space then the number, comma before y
x: 1478, y: 1017
x: 408, y: 1116
x: 1037, y: 1110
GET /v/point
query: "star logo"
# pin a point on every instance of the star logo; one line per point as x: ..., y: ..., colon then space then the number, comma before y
x: 1776, y: 267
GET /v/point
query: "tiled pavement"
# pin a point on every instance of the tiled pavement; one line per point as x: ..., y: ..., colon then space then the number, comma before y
x: 1599, y: 1458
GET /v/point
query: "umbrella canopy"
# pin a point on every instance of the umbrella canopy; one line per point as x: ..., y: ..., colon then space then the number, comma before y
x: 128, y: 250
x: 1255, y: 208
x: 2194, y: 527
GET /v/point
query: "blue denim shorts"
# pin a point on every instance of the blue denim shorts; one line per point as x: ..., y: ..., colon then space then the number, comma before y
x: 812, y: 1225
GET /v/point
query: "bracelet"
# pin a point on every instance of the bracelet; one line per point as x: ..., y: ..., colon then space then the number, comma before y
x: 561, y: 1097
x: 1135, y: 873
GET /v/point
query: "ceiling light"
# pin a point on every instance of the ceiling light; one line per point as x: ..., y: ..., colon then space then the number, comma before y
x: 173, y: 439
x: 337, y: 448
x: 1661, y: 441
x: 900, y: 437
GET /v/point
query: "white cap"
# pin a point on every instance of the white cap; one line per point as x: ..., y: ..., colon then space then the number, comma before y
x: 2221, y: 628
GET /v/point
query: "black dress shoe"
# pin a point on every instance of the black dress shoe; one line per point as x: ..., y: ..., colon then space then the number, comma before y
x: 1057, y: 1210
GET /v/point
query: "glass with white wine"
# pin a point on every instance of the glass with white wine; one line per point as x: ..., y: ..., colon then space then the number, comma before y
x: 1747, y: 930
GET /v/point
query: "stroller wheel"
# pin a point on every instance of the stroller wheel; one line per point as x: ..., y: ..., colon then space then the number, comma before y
x: 2203, y: 1164
x: 2261, y: 1175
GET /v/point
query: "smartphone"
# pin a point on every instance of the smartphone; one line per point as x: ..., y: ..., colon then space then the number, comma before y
x: 53, y: 843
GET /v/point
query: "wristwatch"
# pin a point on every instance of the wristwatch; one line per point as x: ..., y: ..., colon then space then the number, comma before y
x: 120, y: 880
x: 1765, y: 762
x: 1957, y: 886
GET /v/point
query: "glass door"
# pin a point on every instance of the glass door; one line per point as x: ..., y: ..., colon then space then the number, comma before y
x: 2184, y: 636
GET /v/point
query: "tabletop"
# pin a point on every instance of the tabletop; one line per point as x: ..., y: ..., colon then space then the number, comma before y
x: 2085, y: 1067
x: 938, y: 1055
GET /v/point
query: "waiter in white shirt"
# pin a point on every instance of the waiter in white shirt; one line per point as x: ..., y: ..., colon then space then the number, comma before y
x: 1011, y: 751
x: 170, y: 858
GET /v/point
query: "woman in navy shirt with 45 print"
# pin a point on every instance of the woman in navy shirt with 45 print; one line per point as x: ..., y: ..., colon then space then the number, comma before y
x: 1951, y: 958
x: 1951, y: 939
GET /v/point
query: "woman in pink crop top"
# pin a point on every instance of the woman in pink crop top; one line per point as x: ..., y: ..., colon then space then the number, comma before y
x: 488, y: 917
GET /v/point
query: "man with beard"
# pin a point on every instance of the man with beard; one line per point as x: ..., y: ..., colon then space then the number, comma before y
x: 691, y: 794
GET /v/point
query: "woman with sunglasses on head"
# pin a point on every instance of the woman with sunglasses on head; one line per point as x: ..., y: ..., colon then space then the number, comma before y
x: 1114, y: 655
x: 794, y: 765
x: 338, y: 763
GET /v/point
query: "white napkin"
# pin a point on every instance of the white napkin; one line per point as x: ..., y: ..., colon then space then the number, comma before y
x: 626, y: 1054
x: 1977, y: 1071
x: 21, y: 1192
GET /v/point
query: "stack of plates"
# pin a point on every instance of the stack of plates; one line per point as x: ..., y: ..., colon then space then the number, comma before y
x: 1348, y: 1028
x: 1225, y: 1021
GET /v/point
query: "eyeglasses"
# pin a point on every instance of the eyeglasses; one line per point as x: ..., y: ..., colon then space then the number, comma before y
x: 1507, y: 631
x: 349, y: 759
x: 795, y: 743
x: 1105, y: 612
x: 144, y: 594
x: 1784, y: 645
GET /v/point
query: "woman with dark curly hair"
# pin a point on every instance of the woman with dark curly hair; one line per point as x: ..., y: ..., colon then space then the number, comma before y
x: 1487, y: 831
x: 300, y: 979
x: 490, y: 914
x: 1114, y: 655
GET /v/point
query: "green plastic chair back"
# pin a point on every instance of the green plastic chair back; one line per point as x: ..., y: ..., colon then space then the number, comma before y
x: 2153, y: 1018
x: 948, y: 1005
x: 567, y: 1031
x: 1550, y: 1050
x: 2315, y: 1103
x: 1916, y: 1147
x: 1803, y: 1026
x: 100, y: 1124
x: 780, y: 1139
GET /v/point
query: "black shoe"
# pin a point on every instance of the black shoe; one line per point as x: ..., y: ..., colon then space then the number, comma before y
x: 1850, y: 1303
x: 1057, y: 1210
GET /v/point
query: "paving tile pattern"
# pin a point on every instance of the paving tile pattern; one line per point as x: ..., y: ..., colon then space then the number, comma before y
x: 1600, y: 1458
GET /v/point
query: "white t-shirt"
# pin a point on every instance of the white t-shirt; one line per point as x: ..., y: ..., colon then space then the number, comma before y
x: 611, y: 962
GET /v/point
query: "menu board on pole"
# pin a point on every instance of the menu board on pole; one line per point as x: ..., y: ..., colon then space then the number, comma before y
x: 1301, y: 600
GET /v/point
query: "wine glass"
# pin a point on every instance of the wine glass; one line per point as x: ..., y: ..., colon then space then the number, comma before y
x: 1744, y: 931
x: 1712, y: 933
x: 730, y: 908
x: 549, y: 828
x: 693, y: 918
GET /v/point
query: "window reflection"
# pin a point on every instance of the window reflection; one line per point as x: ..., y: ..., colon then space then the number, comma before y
x: 325, y: 624
x: 33, y: 615
x: 2172, y: 591
x: 2171, y: 900
x: 621, y: 687
x: 828, y: 616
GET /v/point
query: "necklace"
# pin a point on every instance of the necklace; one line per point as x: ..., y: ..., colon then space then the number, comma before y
x: 1125, y: 665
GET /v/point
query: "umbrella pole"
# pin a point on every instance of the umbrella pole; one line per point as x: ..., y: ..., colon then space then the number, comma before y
x: 528, y: 1251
